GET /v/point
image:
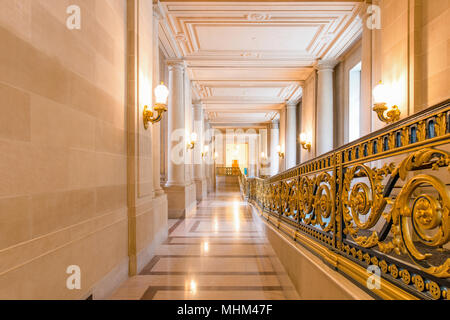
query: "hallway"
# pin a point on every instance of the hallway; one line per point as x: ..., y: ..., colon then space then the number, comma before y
x: 220, y: 252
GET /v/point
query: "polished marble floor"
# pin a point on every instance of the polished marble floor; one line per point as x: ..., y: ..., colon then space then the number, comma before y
x: 220, y: 252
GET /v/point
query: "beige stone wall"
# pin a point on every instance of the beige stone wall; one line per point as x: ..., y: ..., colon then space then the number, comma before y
x: 64, y: 172
x: 308, y: 116
x: 394, y: 51
x: 411, y: 53
x: 341, y: 83
x: 62, y: 145
x: 147, y: 214
x: 283, y: 138
x: 431, y: 52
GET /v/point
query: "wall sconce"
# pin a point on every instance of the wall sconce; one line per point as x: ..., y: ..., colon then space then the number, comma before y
x: 216, y: 156
x: 280, y: 153
x: 305, y: 142
x: 205, y: 151
x: 381, y: 95
x: 263, y: 156
x: 161, y: 95
x: 192, y: 142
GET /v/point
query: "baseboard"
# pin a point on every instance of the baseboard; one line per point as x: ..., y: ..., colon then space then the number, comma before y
x: 111, y: 282
x: 145, y: 255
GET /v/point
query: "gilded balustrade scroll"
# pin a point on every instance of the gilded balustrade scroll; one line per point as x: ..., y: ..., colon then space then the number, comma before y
x: 383, y: 200
x: 413, y: 214
x: 363, y: 200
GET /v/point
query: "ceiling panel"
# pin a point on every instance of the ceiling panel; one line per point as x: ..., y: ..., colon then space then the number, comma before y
x: 255, y: 38
x: 246, y: 92
x: 250, y: 57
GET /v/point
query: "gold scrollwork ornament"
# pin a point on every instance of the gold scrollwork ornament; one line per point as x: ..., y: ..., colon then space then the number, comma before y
x: 422, y: 217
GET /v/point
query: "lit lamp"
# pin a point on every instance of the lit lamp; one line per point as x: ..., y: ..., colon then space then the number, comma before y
x: 305, y: 142
x: 192, y: 142
x: 205, y: 151
x: 380, y: 97
x: 263, y: 155
x: 280, y: 153
x: 155, y: 115
x: 216, y: 156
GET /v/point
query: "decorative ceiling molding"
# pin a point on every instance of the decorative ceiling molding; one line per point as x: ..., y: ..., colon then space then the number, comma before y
x: 257, y: 16
x: 326, y: 23
x: 254, y: 56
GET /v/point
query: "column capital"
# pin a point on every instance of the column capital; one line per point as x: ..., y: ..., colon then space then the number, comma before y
x: 156, y: 11
x: 291, y: 104
x: 275, y: 124
x: 197, y: 104
x: 176, y: 64
x: 362, y: 11
x: 326, y: 65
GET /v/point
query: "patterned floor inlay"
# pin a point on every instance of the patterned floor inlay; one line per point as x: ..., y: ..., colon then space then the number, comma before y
x: 221, y: 252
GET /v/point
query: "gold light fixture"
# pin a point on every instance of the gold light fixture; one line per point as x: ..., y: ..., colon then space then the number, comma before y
x: 384, y: 113
x: 192, y: 142
x: 305, y: 142
x: 205, y: 151
x: 155, y: 115
x: 280, y: 153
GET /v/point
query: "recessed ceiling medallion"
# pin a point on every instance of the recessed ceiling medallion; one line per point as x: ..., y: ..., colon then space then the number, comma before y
x: 258, y: 17
x: 251, y: 54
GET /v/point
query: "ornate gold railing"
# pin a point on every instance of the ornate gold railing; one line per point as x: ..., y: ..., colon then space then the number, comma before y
x: 228, y: 171
x: 381, y: 201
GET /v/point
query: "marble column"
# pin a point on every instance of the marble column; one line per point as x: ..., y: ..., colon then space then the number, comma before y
x: 274, y: 142
x: 264, y: 168
x: 258, y: 154
x: 209, y: 168
x: 176, y: 113
x: 325, y: 107
x: 199, y: 163
x: 181, y: 195
x: 291, y: 135
x: 366, y: 113
x: 156, y: 128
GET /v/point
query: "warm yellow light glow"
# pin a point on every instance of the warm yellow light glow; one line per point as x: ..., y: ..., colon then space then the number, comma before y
x: 381, y: 94
x: 216, y: 225
x: 205, y: 247
x: 237, y: 152
x: 263, y: 155
x: 206, y: 148
x: 153, y: 113
x: 305, y: 140
x: 161, y: 94
x: 386, y: 100
x: 303, y: 137
x: 237, y: 221
x: 193, y: 137
x: 278, y: 148
x: 216, y: 155
x: 193, y: 287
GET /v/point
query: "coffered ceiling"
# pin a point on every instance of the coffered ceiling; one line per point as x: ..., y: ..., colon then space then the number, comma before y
x: 247, y: 59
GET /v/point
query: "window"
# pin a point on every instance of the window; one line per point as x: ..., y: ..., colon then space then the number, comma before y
x: 354, y: 99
